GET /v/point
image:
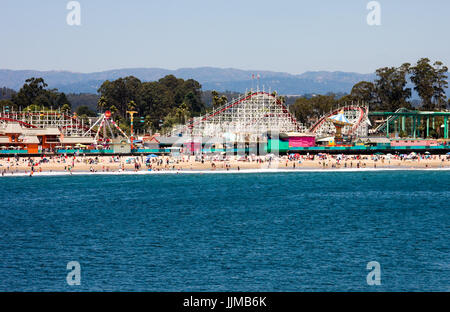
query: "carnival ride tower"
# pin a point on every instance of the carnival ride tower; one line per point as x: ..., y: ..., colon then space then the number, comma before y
x: 105, y: 125
x: 339, y: 121
x: 357, y: 117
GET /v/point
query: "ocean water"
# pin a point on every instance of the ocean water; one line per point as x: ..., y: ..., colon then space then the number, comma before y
x: 303, y: 231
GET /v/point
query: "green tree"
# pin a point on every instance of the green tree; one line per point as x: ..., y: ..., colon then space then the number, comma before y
x: 33, y: 88
x: 391, y: 87
x: 346, y: 100
x: 152, y: 100
x: 423, y: 76
x: 440, y: 85
x: 7, y: 103
x: 323, y: 104
x: 66, y: 108
x: 102, y: 103
x: 83, y: 110
x: 34, y: 92
x: 306, y: 110
x: 217, y: 100
x: 430, y: 83
x: 302, y: 110
x: 120, y: 92
x: 182, y: 114
x: 365, y: 92
x: 132, y: 106
x: 178, y: 116
x: 114, y: 110
x: 6, y: 93
x: 62, y: 99
x: 157, y: 102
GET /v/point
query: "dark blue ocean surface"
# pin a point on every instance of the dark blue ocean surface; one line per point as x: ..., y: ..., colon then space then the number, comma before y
x: 227, y: 232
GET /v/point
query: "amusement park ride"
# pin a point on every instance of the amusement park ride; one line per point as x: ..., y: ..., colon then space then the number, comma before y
x: 104, y: 125
x: 250, y: 118
x: 247, y: 119
x: 339, y: 121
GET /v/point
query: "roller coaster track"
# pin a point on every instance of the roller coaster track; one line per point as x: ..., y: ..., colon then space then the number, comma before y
x: 27, y: 125
x: 390, y: 119
x: 364, y: 111
x: 238, y: 101
x: 76, y: 123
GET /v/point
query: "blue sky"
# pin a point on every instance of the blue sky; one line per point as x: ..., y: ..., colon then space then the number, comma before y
x: 285, y: 35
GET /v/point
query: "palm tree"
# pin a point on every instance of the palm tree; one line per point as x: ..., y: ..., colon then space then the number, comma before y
x: 65, y: 108
x: 131, y: 106
x: 113, y: 109
x: 102, y: 103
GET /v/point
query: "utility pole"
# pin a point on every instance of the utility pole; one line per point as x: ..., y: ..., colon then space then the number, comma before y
x: 132, y: 113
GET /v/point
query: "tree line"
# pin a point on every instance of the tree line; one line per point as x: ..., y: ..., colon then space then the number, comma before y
x: 389, y: 92
x: 161, y: 103
x: 169, y: 101
x: 34, y: 95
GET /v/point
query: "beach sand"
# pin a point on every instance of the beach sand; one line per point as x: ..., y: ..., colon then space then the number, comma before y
x: 122, y: 164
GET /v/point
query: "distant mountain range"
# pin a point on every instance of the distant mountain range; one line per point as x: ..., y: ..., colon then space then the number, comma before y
x: 211, y: 78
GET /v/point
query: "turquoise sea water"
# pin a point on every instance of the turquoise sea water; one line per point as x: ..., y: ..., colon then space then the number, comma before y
x: 312, y: 231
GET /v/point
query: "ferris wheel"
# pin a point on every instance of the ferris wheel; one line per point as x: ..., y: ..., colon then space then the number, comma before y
x: 105, y: 125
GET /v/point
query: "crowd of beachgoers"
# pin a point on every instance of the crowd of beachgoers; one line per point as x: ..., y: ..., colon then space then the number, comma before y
x: 93, y: 164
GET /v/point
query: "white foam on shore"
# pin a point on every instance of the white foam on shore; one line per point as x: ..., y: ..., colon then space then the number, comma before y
x: 242, y: 171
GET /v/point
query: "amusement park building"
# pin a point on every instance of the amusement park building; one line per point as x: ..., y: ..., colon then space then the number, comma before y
x: 34, y: 140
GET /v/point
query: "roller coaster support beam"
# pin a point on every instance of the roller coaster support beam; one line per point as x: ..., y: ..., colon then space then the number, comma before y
x: 446, y: 127
x: 132, y: 113
x: 414, y: 121
x: 387, y: 128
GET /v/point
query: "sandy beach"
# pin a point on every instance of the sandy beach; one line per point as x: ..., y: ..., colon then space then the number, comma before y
x: 123, y: 164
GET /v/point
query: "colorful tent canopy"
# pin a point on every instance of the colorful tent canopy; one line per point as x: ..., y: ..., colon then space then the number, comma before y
x: 340, y: 118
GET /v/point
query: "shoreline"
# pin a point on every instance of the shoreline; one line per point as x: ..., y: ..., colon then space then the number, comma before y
x: 107, y: 165
x: 201, y: 172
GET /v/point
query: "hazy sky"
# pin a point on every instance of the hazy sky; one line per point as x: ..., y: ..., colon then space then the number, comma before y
x: 280, y: 35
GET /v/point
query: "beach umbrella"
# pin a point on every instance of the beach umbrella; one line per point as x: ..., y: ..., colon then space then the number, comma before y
x: 151, y: 156
x: 448, y: 154
x: 428, y: 153
x: 379, y: 153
